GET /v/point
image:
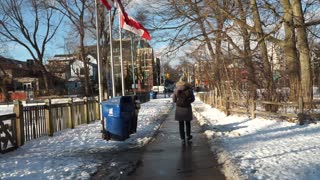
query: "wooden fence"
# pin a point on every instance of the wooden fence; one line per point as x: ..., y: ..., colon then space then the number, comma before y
x: 255, y: 108
x: 44, y: 118
x: 34, y: 120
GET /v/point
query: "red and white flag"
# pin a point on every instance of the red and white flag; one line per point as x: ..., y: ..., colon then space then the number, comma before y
x: 132, y: 25
x: 107, y: 3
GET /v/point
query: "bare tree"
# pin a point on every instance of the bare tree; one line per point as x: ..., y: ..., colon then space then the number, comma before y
x: 285, y: 19
x: 268, y: 76
x: 76, y: 11
x: 304, y: 52
x: 3, y: 82
x: 30, y: 23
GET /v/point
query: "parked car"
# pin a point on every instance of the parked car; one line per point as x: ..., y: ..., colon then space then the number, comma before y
x: 158, y: 89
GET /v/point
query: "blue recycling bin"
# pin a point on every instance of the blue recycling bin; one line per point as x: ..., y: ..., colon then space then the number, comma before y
x: 119, y: 114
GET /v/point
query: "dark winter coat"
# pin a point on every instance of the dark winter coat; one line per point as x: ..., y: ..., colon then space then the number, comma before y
x: 182, y: 113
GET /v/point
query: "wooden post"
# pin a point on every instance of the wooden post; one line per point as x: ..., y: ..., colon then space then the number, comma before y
x: 215, y: 97
x: 252, y: 108
x: 227, y: 106
x: 18, y: 109
x: 211, y: 99
x: 301, y: 104
x: 49, y: 120
x: 70, y: 114
x: 97, y: 108
x: 86, y: 110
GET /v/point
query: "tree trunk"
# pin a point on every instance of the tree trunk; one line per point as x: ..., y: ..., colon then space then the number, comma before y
x: 4, y: 91
x: 213, y: 74
x: 271, y: 93
x: 247, y: 55
x: 290, y: 51
x: 220, y: 62
x: 44, y: 73
x: 3, y: 85
x: 86, y: 68
x: 302, y: 43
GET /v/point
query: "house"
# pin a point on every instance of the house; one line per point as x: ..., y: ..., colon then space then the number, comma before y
x: 69, y: 68
x: 59, y: 65
x: 20, y: 77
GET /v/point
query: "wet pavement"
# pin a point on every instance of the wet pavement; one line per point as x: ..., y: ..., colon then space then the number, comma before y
x: 164, y: 158
x: 167, y: 158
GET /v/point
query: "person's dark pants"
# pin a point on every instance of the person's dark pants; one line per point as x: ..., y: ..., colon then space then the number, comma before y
x: 181, y: 129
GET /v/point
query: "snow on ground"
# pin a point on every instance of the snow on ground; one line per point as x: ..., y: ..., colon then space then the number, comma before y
x: 262, y: 148
x: 6, y: 109
x: 74, y: 153
x: 248, y: 148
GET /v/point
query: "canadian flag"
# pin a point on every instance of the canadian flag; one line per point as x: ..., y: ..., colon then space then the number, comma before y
x: 107, y: 3
x: 130, y: 24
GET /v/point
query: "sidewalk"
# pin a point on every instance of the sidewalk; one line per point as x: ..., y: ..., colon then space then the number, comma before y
x: 167, y: 158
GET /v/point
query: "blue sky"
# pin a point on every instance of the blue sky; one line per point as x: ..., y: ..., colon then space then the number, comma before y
x: 55, y: 46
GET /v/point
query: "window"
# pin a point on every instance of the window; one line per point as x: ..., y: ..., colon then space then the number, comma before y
x: 82, y: 71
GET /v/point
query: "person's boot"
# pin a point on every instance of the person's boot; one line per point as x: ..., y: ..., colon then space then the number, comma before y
x: 183, y: 141
x: 189, y: 138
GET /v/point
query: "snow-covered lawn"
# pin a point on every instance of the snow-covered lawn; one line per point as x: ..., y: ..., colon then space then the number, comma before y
x: 262, y: 148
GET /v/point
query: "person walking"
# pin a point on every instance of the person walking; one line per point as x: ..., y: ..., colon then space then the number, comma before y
x: 183, y: 97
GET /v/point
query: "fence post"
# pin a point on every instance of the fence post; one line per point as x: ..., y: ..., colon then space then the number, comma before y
x: 215, y: 97
x: 227, y: 106
x: 97, y: 108
x: 253, y: 108
x: 86, y: 110
x: 301, y: 104
x: 212, y: 98
x: 49, y: 120
x: 18, y: 109
x: 70, y: 114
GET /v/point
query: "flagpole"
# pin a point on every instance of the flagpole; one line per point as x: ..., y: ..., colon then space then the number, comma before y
x: 133, y: 76
x: 111, y: 57
x: 121, y: 59
x: 99, y: 62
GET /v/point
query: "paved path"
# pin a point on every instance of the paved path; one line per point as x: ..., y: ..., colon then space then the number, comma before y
x: 166, y: 158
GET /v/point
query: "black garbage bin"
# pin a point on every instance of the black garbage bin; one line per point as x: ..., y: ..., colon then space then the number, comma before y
x: 119, y: 117
x: 135, y: 118
x: 154, y: 95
